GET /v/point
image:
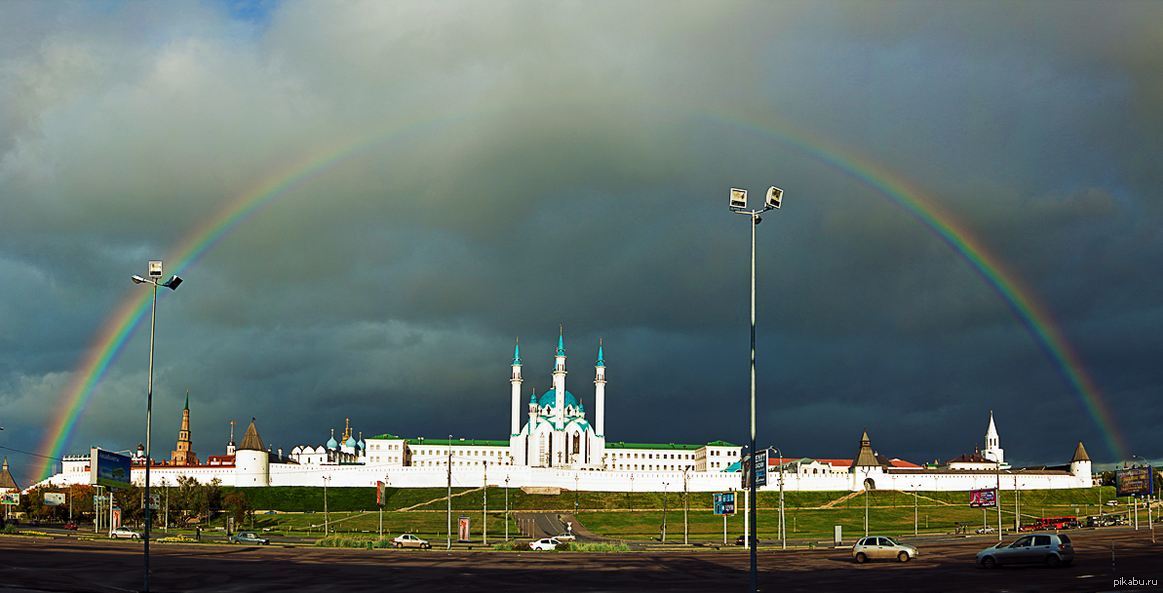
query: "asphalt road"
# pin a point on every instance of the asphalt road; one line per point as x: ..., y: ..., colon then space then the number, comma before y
x: 68, y: 564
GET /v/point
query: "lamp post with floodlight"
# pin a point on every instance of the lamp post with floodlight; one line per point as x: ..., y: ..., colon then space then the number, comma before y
x: 739, y: 206
x: 153, y: 275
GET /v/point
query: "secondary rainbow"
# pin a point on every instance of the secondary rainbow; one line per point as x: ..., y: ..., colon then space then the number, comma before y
x: 1035, y: 317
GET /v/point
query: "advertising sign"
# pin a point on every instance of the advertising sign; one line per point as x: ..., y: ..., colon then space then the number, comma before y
x: 1134, y: 481
x: 10, y: 498
x: 107, y: 468
x: 380, y: 494
x: 54, y: 499
x: 759, y: 463
x: 462, y: 529
x: 983, y: 498
x: 724, y: 503
x: 760, y: 469
x: 116, y: 519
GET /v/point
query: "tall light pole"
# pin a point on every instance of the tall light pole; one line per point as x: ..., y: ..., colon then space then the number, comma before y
x: 449, y: 543
x: 326, y: 516
x: 783, y: 528
x: 685, y: 509
x: 915, y: 486
x: 153, y: 275
x: 665, y: 485
x: 739, y: 206
x: 485, y: 491
x: 506, y: 508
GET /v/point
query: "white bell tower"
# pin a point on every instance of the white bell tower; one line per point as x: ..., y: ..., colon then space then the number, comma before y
x: 993, y: 450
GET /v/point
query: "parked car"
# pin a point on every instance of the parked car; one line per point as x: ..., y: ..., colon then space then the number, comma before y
x: 881, y: 547
x: 71, y: 526
x: 1051, y: 549
x: 739, y: 541
x: 409, y: 540
x: 545, y: 543
x: 566, y: 537
x: 124, y: 533
x: 248, y: 537
x: 983, y: 530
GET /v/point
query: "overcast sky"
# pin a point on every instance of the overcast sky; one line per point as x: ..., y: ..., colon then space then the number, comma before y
x: 523, y: 165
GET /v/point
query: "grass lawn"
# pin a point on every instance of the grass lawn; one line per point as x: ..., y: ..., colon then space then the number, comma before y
x: 638, y: 516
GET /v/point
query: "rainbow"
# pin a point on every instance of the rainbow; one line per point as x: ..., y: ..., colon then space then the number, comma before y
x: 118, y: 327
x: 1032, y: 313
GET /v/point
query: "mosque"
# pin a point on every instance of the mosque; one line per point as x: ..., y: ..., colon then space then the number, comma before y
x: 557, y: 444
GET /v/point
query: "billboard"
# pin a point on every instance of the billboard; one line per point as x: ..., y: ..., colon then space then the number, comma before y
x: 1134, y: 481
x: 54, y: 499
x: 983, y: 498
x: 724, y: 503
x: 107, y: 468
x: 462, y: 526
x: 10, y: 498
x: 759, y: 463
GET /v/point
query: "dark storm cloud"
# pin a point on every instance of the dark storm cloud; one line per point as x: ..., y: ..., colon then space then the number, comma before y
x: 520, y: 165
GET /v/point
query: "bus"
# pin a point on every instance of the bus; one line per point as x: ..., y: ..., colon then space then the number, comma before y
x: 1052, y: 524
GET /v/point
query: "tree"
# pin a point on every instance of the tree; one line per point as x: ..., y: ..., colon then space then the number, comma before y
x: 238, y: 506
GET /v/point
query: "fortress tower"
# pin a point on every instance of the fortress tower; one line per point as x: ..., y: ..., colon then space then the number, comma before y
x: 183, y: 454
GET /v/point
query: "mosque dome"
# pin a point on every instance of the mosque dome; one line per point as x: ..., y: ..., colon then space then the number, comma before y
x: 549, y: 398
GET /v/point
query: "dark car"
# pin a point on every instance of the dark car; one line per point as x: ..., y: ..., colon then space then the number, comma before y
x: 71, y: 526
x: 248, y: 537
x: 739, y: 541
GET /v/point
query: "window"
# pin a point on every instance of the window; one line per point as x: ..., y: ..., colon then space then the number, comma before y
x: 1041, y: 540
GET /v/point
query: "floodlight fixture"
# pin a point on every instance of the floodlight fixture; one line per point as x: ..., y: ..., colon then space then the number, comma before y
x: 155, y: 268
x: 774, y: 197
x: 738, y: 198
x: 138, y: 279
x: 173, y: 282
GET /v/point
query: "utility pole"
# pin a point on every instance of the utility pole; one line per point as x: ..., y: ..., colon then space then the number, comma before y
x: 449, y: 498
x: 664, y: 493
x: 326, y: 516
x: 506, y: 508
x: 685, y: 509
x: 485, y: 519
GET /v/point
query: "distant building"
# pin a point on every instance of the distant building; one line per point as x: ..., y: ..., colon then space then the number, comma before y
x: 554, y: 442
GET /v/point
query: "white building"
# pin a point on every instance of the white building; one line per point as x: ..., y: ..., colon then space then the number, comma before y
x: 559, y: 446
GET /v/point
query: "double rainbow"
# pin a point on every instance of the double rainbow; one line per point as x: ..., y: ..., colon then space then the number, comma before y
x: 1034, y: 316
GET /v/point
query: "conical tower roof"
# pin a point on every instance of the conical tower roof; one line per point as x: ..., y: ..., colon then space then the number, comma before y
x: 251, y: 441
x: 865, y: 458
x: 7, y: 482
x: 1080, y: 453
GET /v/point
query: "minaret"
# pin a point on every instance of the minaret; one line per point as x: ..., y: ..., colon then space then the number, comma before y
x: 183, y: 454
x: 600, y: 393
x: 515, y: 389
x: 559, y: 378
x: 993, y: 450
x: 230, y: 445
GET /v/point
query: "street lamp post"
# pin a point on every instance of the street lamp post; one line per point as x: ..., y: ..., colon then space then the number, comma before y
x: 449, y: 542
x: 506, y: 508
x: 485, y: 492
x: 153, y: 275
x: 685, y: 509
x: 326, y: 516
x: 782, y: 526
x: 739, y: 206
x: 915, y: 517
x: 664, y: 492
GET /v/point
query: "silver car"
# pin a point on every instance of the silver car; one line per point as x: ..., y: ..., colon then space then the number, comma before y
x: 881, y: 547
x: 1051, y: 549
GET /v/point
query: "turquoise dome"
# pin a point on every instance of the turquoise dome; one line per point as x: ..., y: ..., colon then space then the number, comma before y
x: 331, y: 443
x: 350, y: 442
x: 550, y: 399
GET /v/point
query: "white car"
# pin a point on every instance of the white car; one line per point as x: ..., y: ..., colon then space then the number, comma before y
x: 983, y: 530
x: 565, y: 537
x: 408, y: 540
x: 124, y: 533
x: 545, y: 543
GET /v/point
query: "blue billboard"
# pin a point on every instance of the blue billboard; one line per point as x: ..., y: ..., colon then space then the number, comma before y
x: 107, y: 468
